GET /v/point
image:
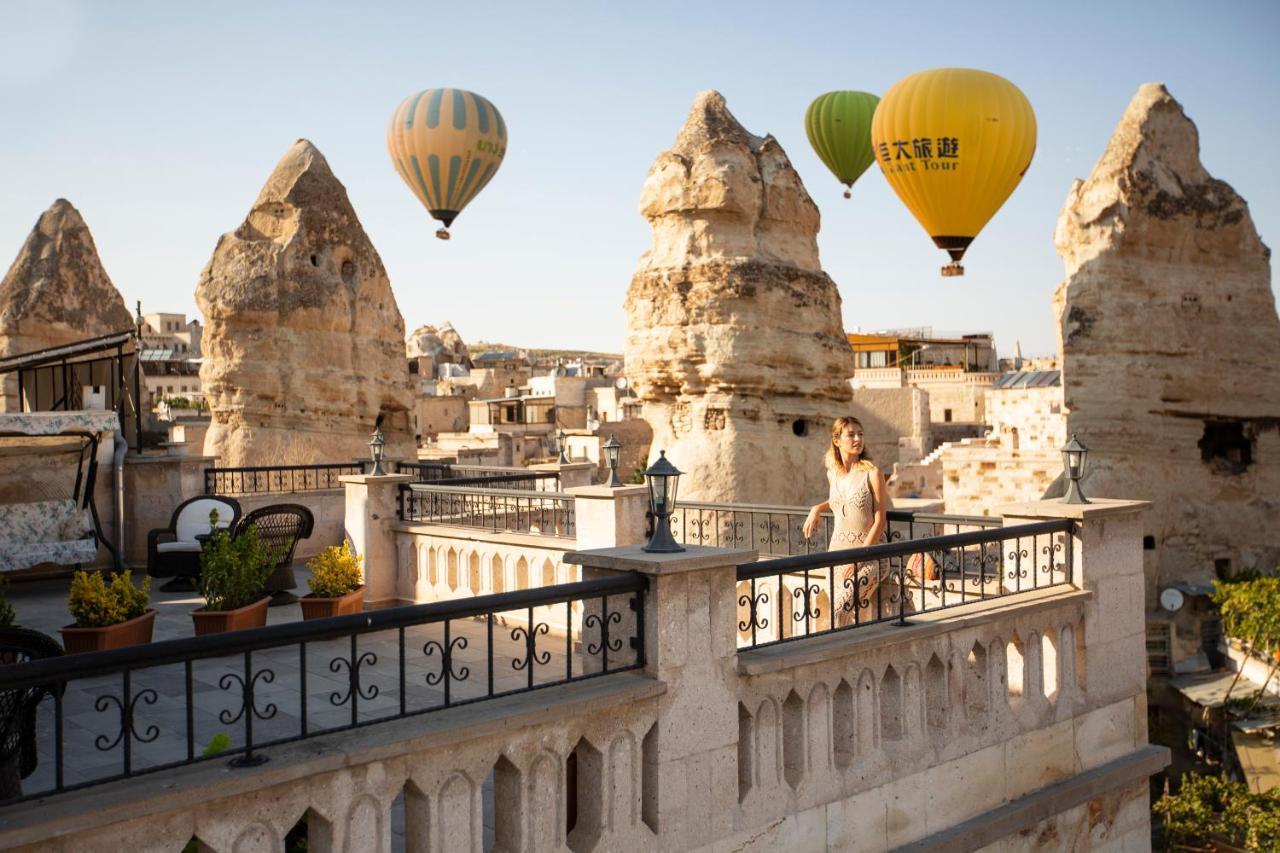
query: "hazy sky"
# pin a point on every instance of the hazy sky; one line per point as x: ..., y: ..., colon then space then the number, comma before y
x: 160, y: 121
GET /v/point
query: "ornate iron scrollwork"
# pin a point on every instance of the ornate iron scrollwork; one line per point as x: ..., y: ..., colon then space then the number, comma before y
x: 353, y: 665
x: 446, y: 660
x: 593, y: 620
x: 756, y: 617
x: 127, y: 719
x: 809, y: 594
x: 247, y: 699
x: 532, y: 655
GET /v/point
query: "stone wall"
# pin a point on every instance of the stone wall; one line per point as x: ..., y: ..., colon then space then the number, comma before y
x: 978, y: 474
x: 965, y: 402
x: 890, y: 417
x: 440, y: 413
x: 1028, y: 418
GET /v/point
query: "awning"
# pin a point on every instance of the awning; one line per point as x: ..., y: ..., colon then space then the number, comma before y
x: 65, y: 352
x: 1210, y: 689
x: 1258, y: 759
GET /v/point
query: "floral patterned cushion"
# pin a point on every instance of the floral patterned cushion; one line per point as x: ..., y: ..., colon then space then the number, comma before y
x: 44, y: 531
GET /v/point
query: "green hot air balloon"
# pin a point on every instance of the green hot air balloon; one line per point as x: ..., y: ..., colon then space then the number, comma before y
x: 839, y: 129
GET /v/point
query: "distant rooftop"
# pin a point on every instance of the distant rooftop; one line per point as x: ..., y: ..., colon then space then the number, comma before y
x: 1029, y: 379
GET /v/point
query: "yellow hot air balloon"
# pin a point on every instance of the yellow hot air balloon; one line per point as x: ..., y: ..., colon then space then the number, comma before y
x: 954, y: 143
x: 446, y: 144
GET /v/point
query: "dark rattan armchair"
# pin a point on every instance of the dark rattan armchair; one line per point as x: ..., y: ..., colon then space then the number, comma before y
x: 280, y: 526
x: 174, y: 551
x: 18, y: 754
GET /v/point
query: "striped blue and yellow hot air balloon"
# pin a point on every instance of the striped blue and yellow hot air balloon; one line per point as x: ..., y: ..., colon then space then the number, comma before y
x: 447, y: 144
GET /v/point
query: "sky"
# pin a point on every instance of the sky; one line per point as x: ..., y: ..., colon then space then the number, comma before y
x: 161, y: 121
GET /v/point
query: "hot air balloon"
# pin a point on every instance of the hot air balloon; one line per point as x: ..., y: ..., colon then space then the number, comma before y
x: 839, y: 129
x: 954, y: 143
x: 446, y: 144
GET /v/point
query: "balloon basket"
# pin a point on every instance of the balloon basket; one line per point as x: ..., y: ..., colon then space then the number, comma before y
x: 442, y: 233
x: 848, y: 194
x: 952, y: 269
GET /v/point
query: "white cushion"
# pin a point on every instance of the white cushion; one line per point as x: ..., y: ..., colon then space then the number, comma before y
x: 181, y: 547
x: 194, y: 518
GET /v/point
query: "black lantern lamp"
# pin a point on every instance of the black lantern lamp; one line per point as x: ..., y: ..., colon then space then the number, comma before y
x: 612, y: 453
x: 376, y: 445
x: 663, y: 478
x: 563, y: 460
x: 1073, y: 455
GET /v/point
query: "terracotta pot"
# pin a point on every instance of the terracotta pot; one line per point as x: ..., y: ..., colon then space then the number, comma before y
x: 217, y: 621
x: 135, y: 632
x: 318, y: 607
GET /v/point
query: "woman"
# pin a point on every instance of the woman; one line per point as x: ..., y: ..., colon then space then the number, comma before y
x: 859, y: 501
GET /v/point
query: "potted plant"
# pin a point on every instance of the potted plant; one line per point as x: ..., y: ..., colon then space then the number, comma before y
x: 108, y: 616
x: 337, y: 583
x: 232, y: 572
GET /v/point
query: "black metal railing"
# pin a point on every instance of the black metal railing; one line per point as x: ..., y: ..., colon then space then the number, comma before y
x: 802, y: 596
x: 448, y: 473
x: 778, y: 531
x: 486, y: 508
x: 266, y: 479
x: 116, y: 714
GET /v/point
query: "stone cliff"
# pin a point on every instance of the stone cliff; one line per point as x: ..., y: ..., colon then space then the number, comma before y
x: 303, y: 344
x: 1169, y: 341
x: 734, y: 334
x: 56, y: 292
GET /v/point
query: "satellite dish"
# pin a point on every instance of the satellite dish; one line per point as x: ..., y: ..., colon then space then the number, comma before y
x: 1171, y: 600
x: 620, y: 383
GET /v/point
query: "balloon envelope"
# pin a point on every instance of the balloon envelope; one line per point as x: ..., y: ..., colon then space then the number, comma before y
x: 839, y: 128
x: 954, y: 143
x: 447, y: 144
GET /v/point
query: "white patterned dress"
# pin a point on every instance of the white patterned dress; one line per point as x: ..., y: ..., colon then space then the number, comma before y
x: 853, y: 504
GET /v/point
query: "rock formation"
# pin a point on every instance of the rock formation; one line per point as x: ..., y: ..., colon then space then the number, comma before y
x: 56, y: 291
x: 439, y: 345
x: 734, y: 335
x: 303, y: 343
x: 1169, y: 341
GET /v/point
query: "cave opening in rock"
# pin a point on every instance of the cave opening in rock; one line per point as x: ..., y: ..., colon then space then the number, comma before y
x: 1226, y: 446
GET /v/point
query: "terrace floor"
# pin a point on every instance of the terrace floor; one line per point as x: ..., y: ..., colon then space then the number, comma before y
x: 296, y: 684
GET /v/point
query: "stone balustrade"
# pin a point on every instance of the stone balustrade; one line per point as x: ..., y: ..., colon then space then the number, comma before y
x: 1015, y: 723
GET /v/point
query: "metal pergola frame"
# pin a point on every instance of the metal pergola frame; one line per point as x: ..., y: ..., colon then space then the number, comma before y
x: 48, y: 379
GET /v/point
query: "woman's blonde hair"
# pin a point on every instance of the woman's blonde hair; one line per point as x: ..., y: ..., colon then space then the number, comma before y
x: 834, y: 460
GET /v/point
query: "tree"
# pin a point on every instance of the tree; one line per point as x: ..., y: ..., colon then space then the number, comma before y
x: 1251, y: 614
x: 1213, y: 808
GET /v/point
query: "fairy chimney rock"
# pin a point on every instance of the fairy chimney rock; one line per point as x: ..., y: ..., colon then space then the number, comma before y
x: 734, y: 336
x: 303, y: 344
x: 439, y: 344
x: 56, y: 292
x: 1169, y: 340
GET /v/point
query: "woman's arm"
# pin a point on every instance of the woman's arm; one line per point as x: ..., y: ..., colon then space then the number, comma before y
x: 879, y: 493
x: 814, y: 517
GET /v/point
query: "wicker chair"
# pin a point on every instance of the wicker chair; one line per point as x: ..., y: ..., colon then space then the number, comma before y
x: 174, y: 551
x: 18, y: 754
x: 280, y: 526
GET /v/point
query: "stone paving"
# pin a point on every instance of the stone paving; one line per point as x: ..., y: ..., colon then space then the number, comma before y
x: 93, y: 745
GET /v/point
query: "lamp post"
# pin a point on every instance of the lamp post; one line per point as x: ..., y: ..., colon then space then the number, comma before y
x: 612, y: 453
x: 662, y: 477
x: 376, y: 444
x: 563, y: 460
x: 1073, y: 456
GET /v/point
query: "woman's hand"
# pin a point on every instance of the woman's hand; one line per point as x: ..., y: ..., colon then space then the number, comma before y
x: 811, y: 522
